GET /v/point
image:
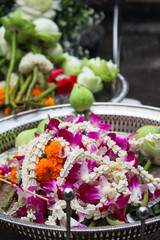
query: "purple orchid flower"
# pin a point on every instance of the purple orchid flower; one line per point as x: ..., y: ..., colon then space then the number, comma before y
x: 70, y: 118
x: 88, y: 193
x: 93, y: 135
x: 53, y: 124
x: 132, y: 158
x: 122, y: 142
x: 37, y: 205
x: 135, y: 187
x: 79, y: 119
x: 114, y: 207
x: 96, y: 121
x: 91, y: 164
x: 5, y: 170
x: 73, y: 176
x: 74, y: 140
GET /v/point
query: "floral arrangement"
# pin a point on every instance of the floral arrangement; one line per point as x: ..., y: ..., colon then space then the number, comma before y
x: 34, y: 63
x: 100, y: 165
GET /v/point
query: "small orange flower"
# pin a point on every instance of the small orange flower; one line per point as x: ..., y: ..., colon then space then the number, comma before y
x: 1, y: 176
x: 36, y: 91
x: 52, y: 151
x: 50, y: 101
x: 47, y: 170
x: 12, y: 175
x: 2, y: 94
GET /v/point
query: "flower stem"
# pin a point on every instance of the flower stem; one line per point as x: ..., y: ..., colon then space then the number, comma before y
x: 11, y: 66
x: 148, y: 164
x: 34, y: 79
x: 43, y: 94
x: 11, y: 196
x: 34, y: 104
x: 14, y: 91
x: 146, y: 192
x: 23, y: 89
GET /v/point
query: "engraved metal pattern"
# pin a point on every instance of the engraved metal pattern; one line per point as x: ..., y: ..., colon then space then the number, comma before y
x: 123, y: 118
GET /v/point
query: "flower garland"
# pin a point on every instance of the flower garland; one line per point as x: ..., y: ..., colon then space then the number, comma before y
x: 99, y: 165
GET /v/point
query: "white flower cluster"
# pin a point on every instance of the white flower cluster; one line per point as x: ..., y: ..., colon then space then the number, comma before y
x: 28, y: 62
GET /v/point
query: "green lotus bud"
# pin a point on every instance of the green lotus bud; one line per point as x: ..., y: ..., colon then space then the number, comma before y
x: 81, y: 98
x: 143, y: 131
x: 25, y: 137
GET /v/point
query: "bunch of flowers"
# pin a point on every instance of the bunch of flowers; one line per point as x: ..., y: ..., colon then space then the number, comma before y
x: 31, y: 50
x: 65, y: 14
x: 86, y: 155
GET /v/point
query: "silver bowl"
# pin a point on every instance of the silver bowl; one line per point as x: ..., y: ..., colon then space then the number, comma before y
x: 123, y: 118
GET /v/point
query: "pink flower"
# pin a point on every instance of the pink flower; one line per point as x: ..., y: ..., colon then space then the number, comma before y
x: 96, y: 121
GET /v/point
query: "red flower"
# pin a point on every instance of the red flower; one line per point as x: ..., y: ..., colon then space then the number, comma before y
x: 54, y: 74
x: 65, y: 85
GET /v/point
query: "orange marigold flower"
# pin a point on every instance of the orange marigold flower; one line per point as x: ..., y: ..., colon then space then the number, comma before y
x: 52, y: 151
x: 12, y: 175
x: 1, y: 176
x: 37, y: 91
x: 47, y: 170
x: 50, y: 101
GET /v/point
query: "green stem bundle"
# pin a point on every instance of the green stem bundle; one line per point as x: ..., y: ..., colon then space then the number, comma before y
x: 34, y: 79
x: 23, y: 89
x: 11, y: 66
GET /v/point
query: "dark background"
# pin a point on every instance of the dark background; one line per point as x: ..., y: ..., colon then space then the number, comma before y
x: 139, y: 34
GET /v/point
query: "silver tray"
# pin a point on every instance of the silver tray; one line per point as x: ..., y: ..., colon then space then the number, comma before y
x: 123, y: 118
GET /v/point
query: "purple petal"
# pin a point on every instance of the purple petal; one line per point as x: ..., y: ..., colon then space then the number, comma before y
x: 88, y: 193
x: 120, y: 216
x: 157, y: 193
x: 134, y: 182
x: 77, y: 139
x: 53, y: 124
x: 91, y: 164
x: 132, y: 159
x: 73, y: 176
x: 105, y: 126
x: 132, y: 135
x: 93, y: 148
x: 19, y: 157
x: 80, y: 119
x: 94, y: 119
x: 32, y: 188
x: 68, y: 136
x: 122, y: 202
x: 70, y: 118
x: 93, y: 135
x: 36, y: 135
x: 5, y: 170
x: 40, y: 218
x: 22, y: 211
